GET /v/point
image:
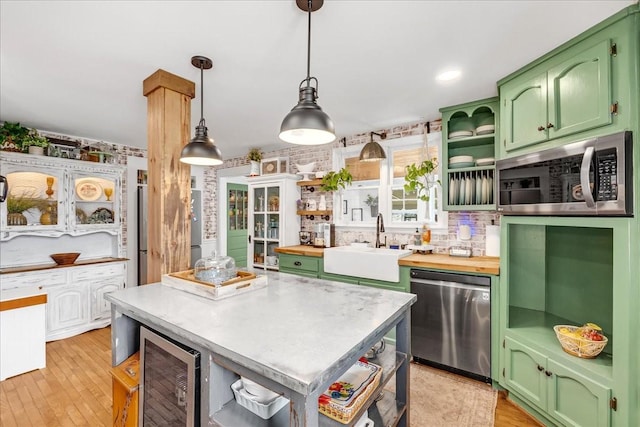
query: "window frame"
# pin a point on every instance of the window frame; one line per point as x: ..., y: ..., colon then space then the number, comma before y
x: 385, y: 187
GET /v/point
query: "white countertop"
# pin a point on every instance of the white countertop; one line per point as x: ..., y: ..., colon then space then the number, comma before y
x: 294, y: 331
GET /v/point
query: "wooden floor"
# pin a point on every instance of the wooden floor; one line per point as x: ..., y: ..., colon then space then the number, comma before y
x: 75, y: 389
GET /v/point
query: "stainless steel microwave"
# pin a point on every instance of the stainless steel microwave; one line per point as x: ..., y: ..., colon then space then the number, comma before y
x: 585, y: 178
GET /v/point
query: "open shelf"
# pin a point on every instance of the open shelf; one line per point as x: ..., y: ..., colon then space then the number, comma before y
x: 309, y: 183
x: 386, y: 411
x: 536, y: 329
x: 471, y: 141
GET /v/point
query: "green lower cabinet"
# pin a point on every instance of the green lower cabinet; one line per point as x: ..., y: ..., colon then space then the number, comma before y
x: 339, y: 278
x: 575, y: 400
x: 299, y: 264
x: 562, y: 395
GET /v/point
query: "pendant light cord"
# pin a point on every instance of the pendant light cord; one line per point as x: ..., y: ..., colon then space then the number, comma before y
x: 309, y: 47
x: 201, y: 94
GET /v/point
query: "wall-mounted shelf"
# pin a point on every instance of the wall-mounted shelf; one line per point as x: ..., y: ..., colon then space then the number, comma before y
x: 309, y: 185
x: 326, y: 215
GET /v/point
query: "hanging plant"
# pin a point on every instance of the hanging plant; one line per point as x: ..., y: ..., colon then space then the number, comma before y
x: 417, y: 178
x: 333, y: 181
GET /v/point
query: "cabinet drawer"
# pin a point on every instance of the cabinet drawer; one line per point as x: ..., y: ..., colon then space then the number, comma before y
x: 97, y: 271
x: 295, y: 262
x: 41, y: 278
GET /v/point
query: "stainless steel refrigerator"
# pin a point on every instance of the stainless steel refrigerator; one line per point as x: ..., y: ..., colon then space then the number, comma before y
x: 143, y: 214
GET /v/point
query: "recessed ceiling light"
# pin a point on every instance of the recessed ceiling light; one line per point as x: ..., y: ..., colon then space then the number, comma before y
x: 447, y: 76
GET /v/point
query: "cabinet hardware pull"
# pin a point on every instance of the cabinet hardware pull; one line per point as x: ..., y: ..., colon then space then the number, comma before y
x: 540, y: 128
x: 297, y: 263
x: 547, y: 373
x: 540, y: 368
x: 614, y: 109
x: 613, y: 403
x: 549, y: 125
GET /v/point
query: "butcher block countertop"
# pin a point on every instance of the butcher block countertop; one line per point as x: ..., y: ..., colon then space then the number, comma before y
x: 80, y: 263
x: 476, y: 264
x: 301, y: 250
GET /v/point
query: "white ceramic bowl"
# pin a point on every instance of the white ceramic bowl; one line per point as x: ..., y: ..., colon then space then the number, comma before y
x: 261, y: 394
x: 308, y: 168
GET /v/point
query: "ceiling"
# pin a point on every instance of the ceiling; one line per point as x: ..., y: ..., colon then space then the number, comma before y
x: 76, y: 67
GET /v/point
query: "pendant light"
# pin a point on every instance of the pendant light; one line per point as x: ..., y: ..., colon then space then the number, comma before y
x: 306, y: 123
x: 372, y: 151
x: 201, y: 150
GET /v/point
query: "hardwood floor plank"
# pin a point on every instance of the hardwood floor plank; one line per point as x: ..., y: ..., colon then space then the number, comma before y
x: 75, y: 389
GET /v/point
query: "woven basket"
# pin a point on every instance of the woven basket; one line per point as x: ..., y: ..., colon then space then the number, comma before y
x: 578, y: 346
x: 345, y: 414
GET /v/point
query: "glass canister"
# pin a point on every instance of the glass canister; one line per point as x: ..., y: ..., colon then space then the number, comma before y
x: 215, y: 269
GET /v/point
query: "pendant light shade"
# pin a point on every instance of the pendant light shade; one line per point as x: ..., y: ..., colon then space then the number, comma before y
x: 373, y: 151
x: 201, y: 150
x: 306, y: 123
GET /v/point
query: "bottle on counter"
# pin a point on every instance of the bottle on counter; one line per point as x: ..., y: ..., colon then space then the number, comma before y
x: 417, y: 238
x: 426, y: 235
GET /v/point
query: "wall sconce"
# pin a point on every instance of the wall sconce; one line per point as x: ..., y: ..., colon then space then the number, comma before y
x: 372, y: 151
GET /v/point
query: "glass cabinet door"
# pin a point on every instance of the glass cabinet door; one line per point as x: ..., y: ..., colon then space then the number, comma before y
x: 94, y: 200
x: 34, y: 200
x: 266, y: 231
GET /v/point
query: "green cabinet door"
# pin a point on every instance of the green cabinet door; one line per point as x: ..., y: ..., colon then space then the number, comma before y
x: 576, y: 400
x: 299, y: 264
x: 524, y: 118
x: 237, y: 223
x: 580, y: 92
x: 524, y: 372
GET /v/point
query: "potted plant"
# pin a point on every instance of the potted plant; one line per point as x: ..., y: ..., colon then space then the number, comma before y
x: 34, y: 143
x: 417, y: 178
x: 12, y: 135
x: 16, y: 205
x: 332, y: 181
x: 372, y: 202
x: 254, y: 156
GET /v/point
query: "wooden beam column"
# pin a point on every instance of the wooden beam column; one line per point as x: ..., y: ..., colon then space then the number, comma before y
x: 169, y: 181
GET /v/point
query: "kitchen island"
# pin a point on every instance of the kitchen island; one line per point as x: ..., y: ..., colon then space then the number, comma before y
x: 296, y: 337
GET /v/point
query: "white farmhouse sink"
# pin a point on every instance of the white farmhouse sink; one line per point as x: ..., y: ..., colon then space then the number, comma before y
x: 370, y: 263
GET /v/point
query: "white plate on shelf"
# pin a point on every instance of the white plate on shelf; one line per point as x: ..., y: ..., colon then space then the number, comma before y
x: 478, y: 190
x: 461, y: 165
x: 487, y: 161
x: 460, y: 159
x: 485, y: 129
x: 460, y: 134
x: 452, y: 191
x: 461, y: 196
x: 470, y: 187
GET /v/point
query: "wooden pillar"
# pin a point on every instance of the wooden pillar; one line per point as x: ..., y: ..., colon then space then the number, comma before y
x: 169, y: 180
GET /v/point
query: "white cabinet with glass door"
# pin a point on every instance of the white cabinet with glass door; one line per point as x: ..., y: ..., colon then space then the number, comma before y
x: 378, y: 187
x: 273, y: 221
x: 94, y: 200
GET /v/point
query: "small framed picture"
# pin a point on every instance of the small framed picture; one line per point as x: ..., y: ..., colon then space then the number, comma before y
x: 356, y: 214
x: 345, y: 209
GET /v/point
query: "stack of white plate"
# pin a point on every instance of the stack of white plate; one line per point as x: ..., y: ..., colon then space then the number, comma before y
x: 485, y: 129
x: 460, y: 134
x: 461, y: 162
x: 487, y: 161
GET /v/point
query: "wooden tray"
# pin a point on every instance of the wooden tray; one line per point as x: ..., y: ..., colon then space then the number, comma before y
x: 186, y: 281
x: 190, y: 275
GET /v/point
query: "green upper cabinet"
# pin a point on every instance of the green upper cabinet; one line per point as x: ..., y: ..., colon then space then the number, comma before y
x: 579, y: 91
x: 524, y: 115
x: 558, y: 98
x: 469, y: 134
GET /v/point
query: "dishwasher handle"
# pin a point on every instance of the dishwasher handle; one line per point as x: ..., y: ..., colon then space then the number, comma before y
x: 454, y: 285
x: 438, y: 276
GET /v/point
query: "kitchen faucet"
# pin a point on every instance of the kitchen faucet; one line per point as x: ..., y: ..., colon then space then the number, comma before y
x: 380, y: 229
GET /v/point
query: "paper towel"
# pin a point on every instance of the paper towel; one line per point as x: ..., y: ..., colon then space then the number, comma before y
x: 492, y: 240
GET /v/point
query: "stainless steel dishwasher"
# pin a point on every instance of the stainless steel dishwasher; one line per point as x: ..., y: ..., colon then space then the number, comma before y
x: 451, y: 322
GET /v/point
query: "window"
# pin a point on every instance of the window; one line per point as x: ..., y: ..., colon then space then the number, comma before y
x: 378, y: 187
